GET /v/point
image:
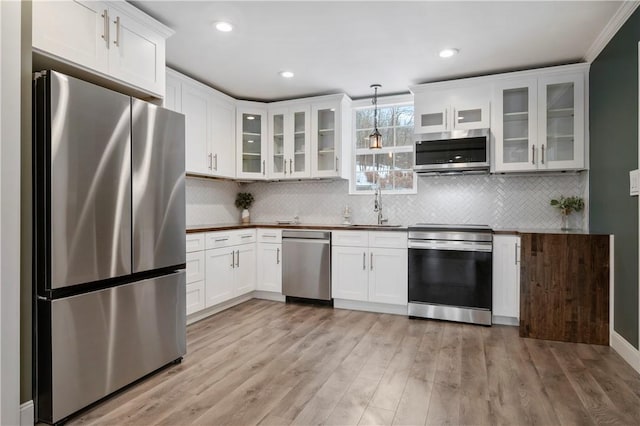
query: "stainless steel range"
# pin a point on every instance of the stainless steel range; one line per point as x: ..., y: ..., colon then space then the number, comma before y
x: 450, y: 272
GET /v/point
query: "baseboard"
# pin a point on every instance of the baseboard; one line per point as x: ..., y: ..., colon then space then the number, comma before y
x: 626, y: 350
x: 200, y: 315
x: 269, y: 295
x: 27, y: 414
x: 500, y: 320
x: 382, y: 308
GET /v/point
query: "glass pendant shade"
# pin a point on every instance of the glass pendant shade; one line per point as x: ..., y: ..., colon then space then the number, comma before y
x: 375, y: 140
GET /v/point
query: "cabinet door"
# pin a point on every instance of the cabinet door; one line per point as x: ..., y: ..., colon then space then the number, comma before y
x: 269, y: 267
x: 506, y: 276
x: 251, y: 131
x: 245, y: 273
x: 195, y: 297
x: 195, y: 107
x: 515, y: 125
x: 173, y: 93
x: 219, y: 272
x: 195, y: 266
x: 431, y: 115
x: 136, y: 53
x: 349, y: 274
x: 326, y: 139
x: 77, y: 31
x: 277, y: 163
x: 223, y: 141
x: 561, y: 122
x: 388, y: 279
x: 299, y: 146
x: 471, y: 115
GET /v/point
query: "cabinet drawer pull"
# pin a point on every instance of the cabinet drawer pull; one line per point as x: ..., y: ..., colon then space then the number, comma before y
x: 221, y: 239
x: 215, y: 167
x: 277, y: 256
x: 117, y: 40
x: 210, y: 161
x: 263, y: 168
x: 233, y: 259
x: 337, y: 159
x: 246, y: 236
x: 237, y: 258
x: 542, y: 156
x: 446, y: 119
x: 105, y: 30
x: 364, y: 261
x: 371, y: 262
x: 290, y: 167
x: 268, y: 236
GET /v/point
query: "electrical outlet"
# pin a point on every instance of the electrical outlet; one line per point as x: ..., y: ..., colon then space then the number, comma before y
x: 634, y: 177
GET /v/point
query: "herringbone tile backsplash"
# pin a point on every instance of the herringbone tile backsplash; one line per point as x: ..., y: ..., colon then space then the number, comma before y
x: 501, y: 201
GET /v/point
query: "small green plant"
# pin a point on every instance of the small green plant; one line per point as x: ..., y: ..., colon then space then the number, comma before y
x: 244, y: 200
x: 568, y: 204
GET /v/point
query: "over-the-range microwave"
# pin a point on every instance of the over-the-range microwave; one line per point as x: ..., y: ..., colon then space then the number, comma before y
x: 454, y: 151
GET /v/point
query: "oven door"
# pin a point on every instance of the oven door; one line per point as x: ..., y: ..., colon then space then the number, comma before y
x: 456, y: 275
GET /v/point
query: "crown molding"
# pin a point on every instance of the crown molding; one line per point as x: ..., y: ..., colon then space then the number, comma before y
x: 618, y: 19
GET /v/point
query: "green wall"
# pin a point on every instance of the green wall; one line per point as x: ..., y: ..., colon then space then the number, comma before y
x: 613, y: 114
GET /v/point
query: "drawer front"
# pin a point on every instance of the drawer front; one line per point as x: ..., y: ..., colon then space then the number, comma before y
x: 244, y: 237
x: 195, y: 242
x: 219, y: 239
x: 350, y: 238
x: 195, y: 267
x: 388, y: 239
x: 269, y: 235
x: 195, y: 297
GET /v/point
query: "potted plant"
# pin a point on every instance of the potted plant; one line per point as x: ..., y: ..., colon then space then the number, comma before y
x: 567, y: 206
x: 244, y: 201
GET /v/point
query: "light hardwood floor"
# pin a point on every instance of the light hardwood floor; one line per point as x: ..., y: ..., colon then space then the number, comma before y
x: 273, y: 363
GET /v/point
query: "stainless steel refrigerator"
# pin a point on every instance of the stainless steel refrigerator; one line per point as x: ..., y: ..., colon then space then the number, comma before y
x: 109, y: 242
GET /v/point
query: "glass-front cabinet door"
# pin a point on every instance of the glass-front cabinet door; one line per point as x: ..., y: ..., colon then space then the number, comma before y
x: 300, y: 147
x: 251, y: 144
x: 276, y: 167
x: 289, y: 146
x: 326, y: 139
x: 561, y: 125
x: 515, y: 125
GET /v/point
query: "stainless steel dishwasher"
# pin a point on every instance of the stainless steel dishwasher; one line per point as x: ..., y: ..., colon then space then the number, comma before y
x: 306, y: 264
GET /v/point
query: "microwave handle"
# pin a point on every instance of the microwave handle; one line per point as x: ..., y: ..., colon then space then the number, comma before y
x: 446, y: 119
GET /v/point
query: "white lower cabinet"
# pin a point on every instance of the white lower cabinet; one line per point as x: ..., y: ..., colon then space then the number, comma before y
x: 506, y: 279
x: 370, y: 274
x: 220, y: 268
x: 195, y: 282
x: 269, y: 265
x: 245, y: 270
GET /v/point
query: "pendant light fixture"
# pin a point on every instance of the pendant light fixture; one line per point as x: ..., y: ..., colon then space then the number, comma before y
x: 375, y: 138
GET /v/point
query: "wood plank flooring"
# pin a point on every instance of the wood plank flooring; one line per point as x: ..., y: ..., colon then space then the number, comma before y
x: 272, y: 363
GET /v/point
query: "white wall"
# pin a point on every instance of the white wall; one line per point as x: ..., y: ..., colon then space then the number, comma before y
x: 10, y: 63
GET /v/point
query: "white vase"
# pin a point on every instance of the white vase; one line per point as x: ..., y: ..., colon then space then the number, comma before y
x: 245, y: 216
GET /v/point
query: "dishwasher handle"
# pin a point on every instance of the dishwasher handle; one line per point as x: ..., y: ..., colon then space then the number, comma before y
x: 306, y: 240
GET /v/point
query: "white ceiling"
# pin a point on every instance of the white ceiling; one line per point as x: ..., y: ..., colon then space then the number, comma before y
x: 344, y: 46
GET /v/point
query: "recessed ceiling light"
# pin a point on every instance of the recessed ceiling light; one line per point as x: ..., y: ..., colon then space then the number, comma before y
x: 286, y: 74
x: 250, y: 117
x: 449, y: 52
x: 222, y: 26
x: 250, y: 141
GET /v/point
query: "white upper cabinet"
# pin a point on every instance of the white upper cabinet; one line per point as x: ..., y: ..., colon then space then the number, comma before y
x: 112, y: 39
x: 441, y: 108
x: 209, y: 125
x: 289, y: 141
x: 251, y: 140
x: 515, y: 124
x: 330, y: 136
x: 538, y: 120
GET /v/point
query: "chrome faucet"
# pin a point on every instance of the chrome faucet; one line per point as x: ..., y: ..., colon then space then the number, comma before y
x: 377, y: 206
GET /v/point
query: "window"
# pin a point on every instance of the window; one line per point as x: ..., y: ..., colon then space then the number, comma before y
x: 392, y: 166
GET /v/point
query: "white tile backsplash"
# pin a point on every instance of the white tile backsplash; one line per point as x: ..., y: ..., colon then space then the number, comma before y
x: 501, y: 201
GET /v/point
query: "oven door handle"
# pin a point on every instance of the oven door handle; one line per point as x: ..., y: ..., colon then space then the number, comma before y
x: 453, y: 246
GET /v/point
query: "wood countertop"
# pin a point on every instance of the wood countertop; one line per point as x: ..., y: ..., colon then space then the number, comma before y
x: 192, y: 229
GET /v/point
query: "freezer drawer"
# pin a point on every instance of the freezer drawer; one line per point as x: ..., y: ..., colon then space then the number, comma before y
x: 104, y: 340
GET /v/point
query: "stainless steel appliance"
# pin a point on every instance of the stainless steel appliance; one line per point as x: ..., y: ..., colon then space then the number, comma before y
x: 109, y: 242
x: 306, y: 264
x: 450, y: 272
x: 452, y: 152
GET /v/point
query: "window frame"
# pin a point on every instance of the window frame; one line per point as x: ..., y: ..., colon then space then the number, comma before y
x: 396, y: 100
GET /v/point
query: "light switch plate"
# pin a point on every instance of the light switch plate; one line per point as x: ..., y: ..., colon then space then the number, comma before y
x: 634, y: 177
